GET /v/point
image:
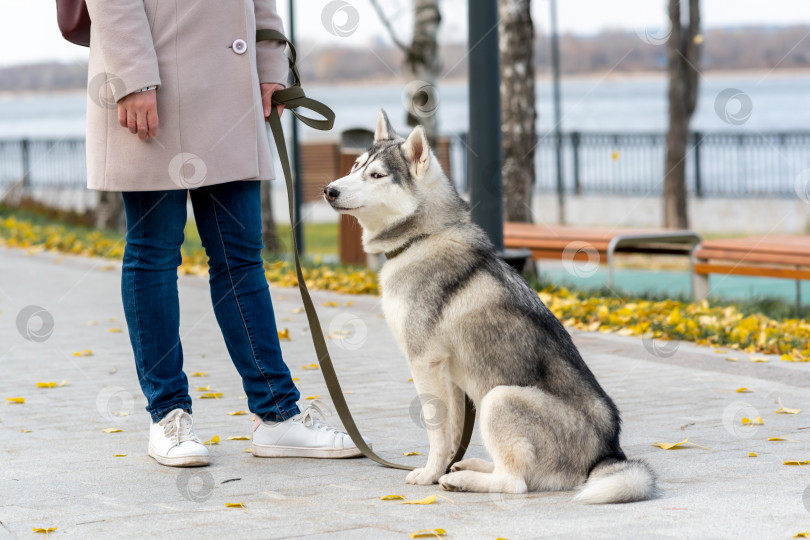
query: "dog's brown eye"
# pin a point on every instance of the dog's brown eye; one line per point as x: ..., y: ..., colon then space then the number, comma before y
x: 375, y: 175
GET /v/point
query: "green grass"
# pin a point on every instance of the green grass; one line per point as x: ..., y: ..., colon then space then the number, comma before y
x: 319, y: 238
x: 71, y: 224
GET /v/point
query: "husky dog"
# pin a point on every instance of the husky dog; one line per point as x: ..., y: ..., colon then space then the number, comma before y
x: 469, y: 323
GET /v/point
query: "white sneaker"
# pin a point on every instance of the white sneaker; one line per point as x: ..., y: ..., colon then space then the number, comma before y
x: 172, y: 441
x: 302, y: 436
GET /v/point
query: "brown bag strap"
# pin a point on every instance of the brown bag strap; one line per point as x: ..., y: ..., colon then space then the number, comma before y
x: 293, y: 98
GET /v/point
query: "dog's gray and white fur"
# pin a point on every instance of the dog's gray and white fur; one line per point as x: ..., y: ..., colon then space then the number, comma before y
x: 469, y: 323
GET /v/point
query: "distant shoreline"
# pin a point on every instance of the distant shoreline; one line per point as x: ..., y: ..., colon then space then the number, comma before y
x: 541, y: 78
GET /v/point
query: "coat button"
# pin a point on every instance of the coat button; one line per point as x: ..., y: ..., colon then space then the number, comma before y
x: 239, y: 46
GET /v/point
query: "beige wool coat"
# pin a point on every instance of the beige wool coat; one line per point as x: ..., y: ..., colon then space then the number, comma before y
x: 204, y: 58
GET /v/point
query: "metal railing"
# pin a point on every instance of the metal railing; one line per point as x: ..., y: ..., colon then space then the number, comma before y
x: 42, y: 163
x: 717, y: 164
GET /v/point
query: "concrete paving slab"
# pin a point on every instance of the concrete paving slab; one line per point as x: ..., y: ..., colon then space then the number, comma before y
x: 57, y: 465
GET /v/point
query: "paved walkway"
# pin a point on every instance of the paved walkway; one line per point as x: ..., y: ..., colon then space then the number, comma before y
x: 58, y: 467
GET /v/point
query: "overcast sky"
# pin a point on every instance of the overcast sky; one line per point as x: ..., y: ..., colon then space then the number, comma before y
x: 28, y: 31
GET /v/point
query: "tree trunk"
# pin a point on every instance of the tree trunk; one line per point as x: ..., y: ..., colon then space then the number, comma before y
x: 422, y: 68
x: 683, y: 57
x: 109, y: 212
x: 269, y: 238
x: 518, y: 114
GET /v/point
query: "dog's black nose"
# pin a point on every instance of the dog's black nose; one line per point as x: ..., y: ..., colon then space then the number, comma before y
x: 331, y: 193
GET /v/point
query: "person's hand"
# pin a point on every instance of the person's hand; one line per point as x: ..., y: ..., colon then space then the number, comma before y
x: 138, y: 112
x: 267, y: 97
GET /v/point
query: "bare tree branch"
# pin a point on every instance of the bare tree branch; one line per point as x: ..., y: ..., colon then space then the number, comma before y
x: 387, y: 24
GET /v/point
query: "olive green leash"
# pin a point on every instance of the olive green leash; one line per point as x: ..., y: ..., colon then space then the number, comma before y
x: 293, y: 98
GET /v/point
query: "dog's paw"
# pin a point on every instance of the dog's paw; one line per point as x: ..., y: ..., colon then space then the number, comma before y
x: 446, y: 481
x: 421, y: 477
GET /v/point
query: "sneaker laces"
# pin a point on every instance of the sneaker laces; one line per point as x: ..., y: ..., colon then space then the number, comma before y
x: 178, y: 427
x: 314, y: 416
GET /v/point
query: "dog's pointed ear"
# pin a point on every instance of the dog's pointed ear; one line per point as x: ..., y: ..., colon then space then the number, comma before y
x: 385, y: 131
x: 417, y: 151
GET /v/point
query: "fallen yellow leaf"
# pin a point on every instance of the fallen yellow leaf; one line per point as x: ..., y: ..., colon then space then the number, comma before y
x: 795, y: 356
x: 313, y: 397
x: 430, y: 499
x: 200, y: 374
x: 203, y: 389
x: 45, y: 530
x: 211, y: 395
x: 111, y: 430
x: 85, y: 352
x: 743, y: 390
x: 758, y: 359
x: 310, y: 366
x: 720, y: 351
x: 296, y: 379
x: 25, y: 430
x: 755, y: 422
x: 119, y: 455
x: 235, y: 505
x: 796, y: 462
x: 428, y: 533
x: 46, y: 384
x: 330, y: 304
x: 114, y: 330
x: 752, y: 454
x: 778, y: 439
x: 392, y: 497
x: 671, y: 446
x: 298, y: 310
x: 284, y: 334
x: 239, y: 438
x: 214, y: 440
x: 15, y: 399
x: 248, y: 450
x: 349, y: 303
x: 803, y: 534
x: 411, y: 454
x: 785, y: 410
x: 237, y: 413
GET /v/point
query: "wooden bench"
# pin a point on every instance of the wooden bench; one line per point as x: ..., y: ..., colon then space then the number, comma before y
x: 780, y: 256
x: 595, y: 245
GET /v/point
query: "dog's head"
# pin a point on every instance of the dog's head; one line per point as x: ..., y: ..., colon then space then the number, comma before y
x: 388, y: 182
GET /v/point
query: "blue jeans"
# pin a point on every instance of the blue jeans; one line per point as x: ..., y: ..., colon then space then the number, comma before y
x: 229, y: 221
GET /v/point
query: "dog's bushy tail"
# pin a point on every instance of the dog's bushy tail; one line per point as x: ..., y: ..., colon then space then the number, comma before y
x: 614, y: 481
